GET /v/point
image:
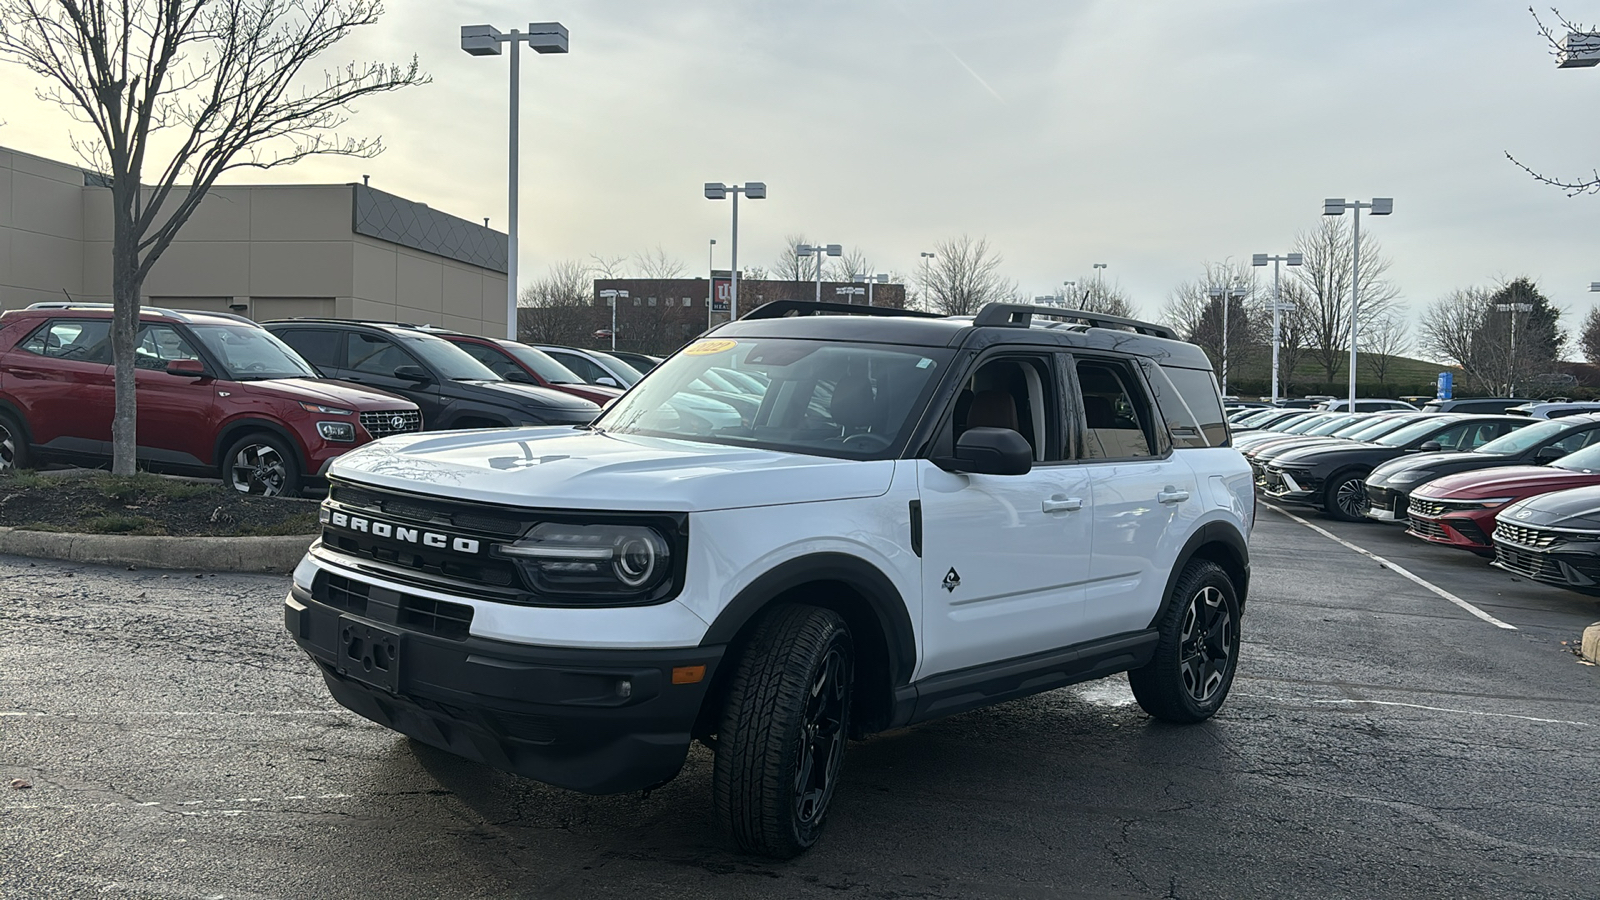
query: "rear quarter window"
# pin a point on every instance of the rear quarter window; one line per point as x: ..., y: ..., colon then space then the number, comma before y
x: 1192, y: 405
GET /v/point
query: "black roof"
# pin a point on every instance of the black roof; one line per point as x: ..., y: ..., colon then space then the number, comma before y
x: 995, y: 323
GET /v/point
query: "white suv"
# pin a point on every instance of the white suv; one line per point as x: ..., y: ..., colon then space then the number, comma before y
x: 884, y: 519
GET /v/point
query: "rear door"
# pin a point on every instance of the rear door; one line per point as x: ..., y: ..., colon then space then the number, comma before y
x: 60, y: 378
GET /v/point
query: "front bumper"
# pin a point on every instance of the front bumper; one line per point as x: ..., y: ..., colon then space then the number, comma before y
x: 597, y: 721
x: 1289, y: 487
x: 1574, y: 566
x: 1385, y: 504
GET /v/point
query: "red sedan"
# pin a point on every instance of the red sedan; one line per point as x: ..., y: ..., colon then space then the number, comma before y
x: 1459, y: 510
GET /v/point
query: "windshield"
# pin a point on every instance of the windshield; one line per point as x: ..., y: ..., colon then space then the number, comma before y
x: 451, y: 362
x: 1522, y: 439
x: 1256, y: 418
x: 821, y: 398
x: 251, y: 354
x: 1301, y: 426
x: 1411, y: 432
x: 629, y: 375
x: 1585, y: 460
x: 1373, y: 428
x: 1338, y: 424
x: 543, y: 364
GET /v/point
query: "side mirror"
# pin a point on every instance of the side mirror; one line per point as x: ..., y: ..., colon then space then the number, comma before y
x: 1431, y: 447
x: 519, y: 376
x: 607, y: 380
x: 187, y: 368
x: 1548, y: 454
x: 413, y: 373
x: 990, y: 451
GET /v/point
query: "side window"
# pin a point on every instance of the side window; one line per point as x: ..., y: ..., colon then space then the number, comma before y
x: 320, y: 348
x: 1015, y: 392
x: 583, y: 368
x: 1118, y: 420
x: 1191, y: 404
x: 158, y: 344
x: 1455, y: 437
x: 1577, y: 440
x: 376, y: 355
x: 80, y: 340
x: 492, y: 358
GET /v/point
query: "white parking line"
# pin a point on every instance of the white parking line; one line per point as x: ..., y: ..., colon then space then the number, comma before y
x: 1398, y: 570
x: 1440, y: 709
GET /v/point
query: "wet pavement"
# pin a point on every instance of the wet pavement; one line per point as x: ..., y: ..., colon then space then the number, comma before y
x: 1380, y: 742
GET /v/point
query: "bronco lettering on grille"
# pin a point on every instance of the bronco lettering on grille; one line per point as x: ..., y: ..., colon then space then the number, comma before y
x: 403, y: 534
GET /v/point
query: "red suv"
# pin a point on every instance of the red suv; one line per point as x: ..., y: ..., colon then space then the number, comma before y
x: 218, y: 396
x: 515, y: 361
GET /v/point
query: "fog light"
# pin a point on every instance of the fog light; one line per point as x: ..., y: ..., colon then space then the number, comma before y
x: 625, y: 688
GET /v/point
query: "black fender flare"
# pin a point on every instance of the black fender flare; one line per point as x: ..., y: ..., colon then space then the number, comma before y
x: 231, y: 431
x: 1231, y: 543
x: 885, y: 600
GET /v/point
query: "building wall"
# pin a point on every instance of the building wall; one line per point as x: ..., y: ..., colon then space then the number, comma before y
x: 266, y: 251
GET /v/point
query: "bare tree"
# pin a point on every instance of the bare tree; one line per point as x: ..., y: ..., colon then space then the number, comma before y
x: 1384, y: 340
x: 1573, y: 186
x: 965, y: 275
x: 851, y: 264
x: 559, y: 307
x: 1448, y: 329
x: 1470, y: 329
x: 657, y: 264
x: 1198, y: 316
x: 218, y: 85
x: 1094, y: 295
x: 609, y: 267
x: 790, y: 265
x: 1321, y: 288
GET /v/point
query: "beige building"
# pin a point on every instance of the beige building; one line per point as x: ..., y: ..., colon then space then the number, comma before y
x: 267, y: 251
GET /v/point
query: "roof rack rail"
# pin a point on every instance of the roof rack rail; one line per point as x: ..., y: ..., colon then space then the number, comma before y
x: 777, y: 309
x: 1020, y: 315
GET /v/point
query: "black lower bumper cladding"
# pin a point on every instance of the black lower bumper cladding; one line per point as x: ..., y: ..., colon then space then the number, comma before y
x: 597, y: 721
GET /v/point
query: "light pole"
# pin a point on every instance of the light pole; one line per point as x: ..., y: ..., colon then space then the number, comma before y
x: 612, y: 296
x: 1068, y: 288
x: 1511, y: 370
x: 1293, y: 259
x: 711, y: 279
x: 1227, y: 295
x: 819, y: 251
x: 716, y: 190
x: 851, y: 292
x: 1098, y: 285
x: 1335, y: 206
x: 870, y: 280
x: 926, y: 278
x: 485, y: 40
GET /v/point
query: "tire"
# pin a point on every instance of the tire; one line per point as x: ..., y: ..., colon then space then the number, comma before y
x: 1197, y: 652
x: 1344, y: 497
x: 13, y: 445
x: 781, y: 741
x: 261, y: 463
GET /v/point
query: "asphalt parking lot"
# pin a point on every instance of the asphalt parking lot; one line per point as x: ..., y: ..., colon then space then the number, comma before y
x: 1381, y: 741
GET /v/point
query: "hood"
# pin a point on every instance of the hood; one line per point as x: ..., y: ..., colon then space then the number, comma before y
x: 1433, y: 465
x: 512, y: 393
x: 326, y: 392
x: 1576, y: 508
x: 1317, y: 453
x: 1507, y: 481
x: 594, y: 393
x: 1268, y: 449
x: 562, y: 468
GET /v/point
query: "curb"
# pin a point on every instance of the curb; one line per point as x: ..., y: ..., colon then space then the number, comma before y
x: 1591, y: 643
x: 263, y: 555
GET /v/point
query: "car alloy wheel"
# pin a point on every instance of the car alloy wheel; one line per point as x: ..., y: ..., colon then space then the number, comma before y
x: 1210, y: 641
x: 822, y: 737
x: 1351, y: 496
x: 259, y: 469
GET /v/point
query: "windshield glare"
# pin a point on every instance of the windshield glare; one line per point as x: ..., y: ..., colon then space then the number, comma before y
x: 1522, y: 439
x: 249, y: 354
x: 1302, y: 426
x: 1410, y: 432
x: 542, y: 363
x: 820, y: 398
x: 1585, y: 460
x: 1338, y: 424
x: 629, y: 375
x: 451, y: 362
x: 1375, y: 429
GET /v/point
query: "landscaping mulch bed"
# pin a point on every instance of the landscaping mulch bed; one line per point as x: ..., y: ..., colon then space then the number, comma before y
x: 100, y: 503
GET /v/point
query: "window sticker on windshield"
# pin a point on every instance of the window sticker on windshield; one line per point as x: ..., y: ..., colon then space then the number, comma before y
x: 706, y: 348
x: 924, y: 363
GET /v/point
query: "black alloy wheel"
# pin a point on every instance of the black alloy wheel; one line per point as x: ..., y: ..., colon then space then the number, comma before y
x: 1197, y: 649
x: 1345, y: 497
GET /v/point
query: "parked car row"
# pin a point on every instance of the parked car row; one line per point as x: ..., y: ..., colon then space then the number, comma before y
x: 266, y: 407
x: 1520, y: 489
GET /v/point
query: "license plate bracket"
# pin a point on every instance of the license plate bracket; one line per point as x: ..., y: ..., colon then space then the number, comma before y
x: 369, y: 653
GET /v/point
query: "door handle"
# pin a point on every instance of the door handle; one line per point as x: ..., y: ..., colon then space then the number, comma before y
x: 1172, y: 495
x: 1063, y: 504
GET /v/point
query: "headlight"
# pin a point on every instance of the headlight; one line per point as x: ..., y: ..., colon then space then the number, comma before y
x: 1405, y: 476
x: 337, y: 431
x: 325, y: 410
x: 1491, y: 503
x: 607, y: 560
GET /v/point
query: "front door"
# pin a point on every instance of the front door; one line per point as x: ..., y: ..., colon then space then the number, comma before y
x: 1004, y: 557
x: 372, y: 359
x: 174, y: 410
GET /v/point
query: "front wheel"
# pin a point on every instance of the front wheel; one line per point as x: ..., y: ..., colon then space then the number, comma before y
x: 781, y: 741
x: 13, y: 445
x: 1197, y: 651
x: 261, y: 463
x: 1345, y: 497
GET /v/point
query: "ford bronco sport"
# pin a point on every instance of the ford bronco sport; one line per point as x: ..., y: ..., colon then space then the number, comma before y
x: 921, y: 515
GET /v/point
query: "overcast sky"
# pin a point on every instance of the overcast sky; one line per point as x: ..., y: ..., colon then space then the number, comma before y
x: 1153, y: 136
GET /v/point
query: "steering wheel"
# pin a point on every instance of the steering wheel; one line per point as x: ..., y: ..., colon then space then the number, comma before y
x: 867, y: 442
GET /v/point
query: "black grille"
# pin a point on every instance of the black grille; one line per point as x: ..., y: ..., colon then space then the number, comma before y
x: 1427, y: 528
x: 424, y: 614
x: 440, y: 617
x: 431, y: 512
x: 1423, y: 506
x: 1532, y: 565
x: 1527, y: 537
x: 492, y: 573
x: 383, y: 424
x: 344, y: 593
x: 1470, y: 530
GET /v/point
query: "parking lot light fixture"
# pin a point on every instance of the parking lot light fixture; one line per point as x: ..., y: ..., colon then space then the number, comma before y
x: 486, y: 40
x: 818, y: 251
x: 612, y: 296
x: 926, y: 277
x: 1578, y: 50
x: 1335, y: 206
x: 1594, y: 285
x: 850, y: 293
x: 870, y: 280
x: 1278, y: 307
x: 1227, y: 296
x: 716, y: 190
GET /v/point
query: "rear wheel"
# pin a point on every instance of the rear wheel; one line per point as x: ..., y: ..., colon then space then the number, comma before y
x: 13, y: 445
x: 781, y: 742
x: 1345, y: 496
x: 1198, y: 648
x: 261, y: 463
